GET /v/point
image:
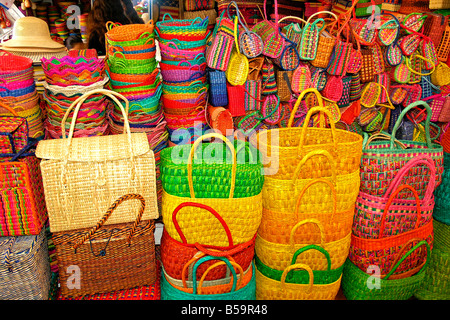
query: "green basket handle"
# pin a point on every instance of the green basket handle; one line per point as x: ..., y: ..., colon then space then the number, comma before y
x: 313, y: 247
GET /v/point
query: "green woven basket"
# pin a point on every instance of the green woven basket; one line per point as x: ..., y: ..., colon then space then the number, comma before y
x: 301, y: 276
x: 212, y: 170
x: 357, y: 284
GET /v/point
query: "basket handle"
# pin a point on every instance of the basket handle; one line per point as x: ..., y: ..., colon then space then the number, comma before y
x: 225, y: 260
x: 313, y: 247
x: 108, y: 213
x: 427, y: 122
x: 8, y: 108
x: 389, y: 202
x: 205, y: 207
x: 382, y: 136
x: 401, y: 253
x: 426, y: 160
x: 191, y: 158
x: 407, y: 61
x: 421, y: 243
x: 292, y: 18
x: 316, y: 181
x: 298, y: 266
x: 309, y: 156
x: 301, y: 223
x: 299, y: 100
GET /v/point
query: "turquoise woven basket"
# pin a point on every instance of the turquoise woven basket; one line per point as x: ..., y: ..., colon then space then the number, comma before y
x: 248, y: 292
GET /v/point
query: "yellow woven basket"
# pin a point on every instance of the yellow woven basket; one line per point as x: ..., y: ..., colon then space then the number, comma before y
x: 441, y: 75
x: 282, y: 194
x: 279, y: 256
x: 283, y: 148
x: 242, y: 215
x: 276, y: 225
x: 238, y: 66
x: 270, y: 289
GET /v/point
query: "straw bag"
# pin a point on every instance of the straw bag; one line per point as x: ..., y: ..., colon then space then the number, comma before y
x: 289, y: 59
x: 194, y: 5
x: 236, y: 100
x: 242, y: 215
x: 325, y: 49
x: 109, y: 257
x: 279, y: 256
x: 298, y: 281
x: 301, y: 78
x: 342, y: 53
x: 175, y: 254
x: 335, y: 215
x: 22, y: 203
x: 218, y: 96
x: 287, y: 145
x: 252, y: 99
x: 363, y: 251
x: 382, y: 159
x: 24, y: 267
x: 82, y: 175
x: 198, y: 292
x: 218, y: 51
x: 238, y: 67
x: 441, y: 75
x: 355, y: 281
x: 402, y: 214
x: 310, y: 38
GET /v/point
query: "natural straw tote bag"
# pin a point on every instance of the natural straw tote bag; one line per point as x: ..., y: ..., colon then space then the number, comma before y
x: 282, y: 194
x: 383, y: 159
x: 247, y: 292
x: 276, y: 223
x: 381, y: 250
x: 402, y: 214
x: 175, y: 254
x: 270, y: 289
x: 83, y: 176
x: 109, y: 258
x: 287, y: 145
x: 355, y: 281
x: 242, y: 215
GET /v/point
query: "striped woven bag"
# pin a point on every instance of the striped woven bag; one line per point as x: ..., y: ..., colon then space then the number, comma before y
x: 341, y: 54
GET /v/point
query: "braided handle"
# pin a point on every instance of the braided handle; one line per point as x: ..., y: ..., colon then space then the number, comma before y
x: 108, y: 214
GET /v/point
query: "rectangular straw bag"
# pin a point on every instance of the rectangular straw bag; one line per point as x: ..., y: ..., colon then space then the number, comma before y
x: 439, y: 4
x: 83, y: 176
x: 109, y: 258
x: 218, y: 50
x: 22, y: 203
x: 24, y: 267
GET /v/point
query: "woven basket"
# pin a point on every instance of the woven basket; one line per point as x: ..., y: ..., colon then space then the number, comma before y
x: 382, y: 160
x: 441, y: 76
x: 246, y: 292
x: 277, y: 222
x: 325, y: 48
x: 355, y: 282
x: 310, y: 38
x: 284, y: 79
x: 270, y: 289
x: 434, y: 27
x: 109, y: 258
x: 218, y: 96
x: 193, y: 5
x: 218, y: 52
x: 118, y: 163
x: 24, y: 267
x: 287, y: 145
x: 410, y: 6
x: 238, y: 66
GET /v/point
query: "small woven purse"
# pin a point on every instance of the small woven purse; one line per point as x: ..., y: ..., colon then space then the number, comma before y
x: 238, y: 66
x: 301, y: 78
x: 310, y: 38
x: 289, y: 59
x: 218, y: 50
x: 341, y: 54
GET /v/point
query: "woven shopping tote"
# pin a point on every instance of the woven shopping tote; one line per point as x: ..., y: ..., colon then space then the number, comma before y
x: 83, y: 176
x: 287, y: 145
x: 242, y: 215
x: 109, y: 258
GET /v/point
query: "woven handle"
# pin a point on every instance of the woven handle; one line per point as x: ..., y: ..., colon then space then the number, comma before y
x: 306, y: 221
x: 418, y: 160
x: 298, y: 266
x: 108, y: 214
x: 312, y: 247
x: 391, y: 199
x: 234, y: 264
x: 319, y: 180
x: 382, y: 136
x: 407, y: 61
x: 399, y: 256
x: 427, y: 122
x: 205, y: 207
x: 191, y: 157
x: 311, y: 154
x: 292, y: 18
x: 421, y: 243
x: 8, y: 108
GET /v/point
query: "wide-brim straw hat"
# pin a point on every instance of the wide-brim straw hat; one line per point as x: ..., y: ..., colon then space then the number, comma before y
x: 36, y: 55
x: 31, y: 32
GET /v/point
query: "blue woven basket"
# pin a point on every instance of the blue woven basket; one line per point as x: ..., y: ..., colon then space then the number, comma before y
x: 218, y: 95
x: 248, y: 292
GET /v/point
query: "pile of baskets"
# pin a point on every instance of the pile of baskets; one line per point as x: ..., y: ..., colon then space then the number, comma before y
x: 185, y: 85
x: 309, y: 197
x: 132, y: 69
x: 211, y: 211
x: 18, y: 90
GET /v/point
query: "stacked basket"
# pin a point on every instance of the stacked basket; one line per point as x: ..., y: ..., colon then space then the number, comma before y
x: 66, y: 79
x: 200, y: 9
x: 211, y: 211
x: 18, y: 89
x: 392, y: 232
x: 185, y: 86
x: 309, y: 196
x: 131, y: 66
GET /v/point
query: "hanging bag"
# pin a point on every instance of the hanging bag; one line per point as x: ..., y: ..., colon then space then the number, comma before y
x: 310, y: 37
x: 238, y: 67
x: 219, y: 48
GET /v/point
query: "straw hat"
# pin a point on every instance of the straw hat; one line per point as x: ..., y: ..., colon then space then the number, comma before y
x: 31, y: 32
